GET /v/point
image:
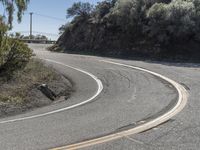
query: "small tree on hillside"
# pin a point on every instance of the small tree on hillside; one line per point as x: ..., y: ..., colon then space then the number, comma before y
x: 79, y: 9
x: 13, y: 53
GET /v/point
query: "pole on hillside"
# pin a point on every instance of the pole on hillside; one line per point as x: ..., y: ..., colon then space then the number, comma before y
x: 31, y: 31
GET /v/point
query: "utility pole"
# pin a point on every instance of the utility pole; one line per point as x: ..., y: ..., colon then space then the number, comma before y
x: 31, y: 31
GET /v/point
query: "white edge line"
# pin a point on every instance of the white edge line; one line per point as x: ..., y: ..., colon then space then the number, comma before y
x: 100, y: 88
x: 181, y: 102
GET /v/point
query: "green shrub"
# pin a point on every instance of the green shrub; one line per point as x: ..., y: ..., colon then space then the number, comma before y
x: 129, y: 15
x: 3, y: 29
x: 14, y: 55
x: 79, y: 9
x: 173, y: 22
x: 158, y: 23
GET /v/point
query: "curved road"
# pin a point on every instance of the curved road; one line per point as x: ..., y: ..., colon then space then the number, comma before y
x: 128, y: 98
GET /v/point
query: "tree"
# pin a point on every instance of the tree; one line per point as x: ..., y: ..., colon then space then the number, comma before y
x: 158, y: 23
x: 182, y: 15
x: 10, y: 5
x: 13, y: 53
x: 17, y: 35
x: 3, y: 27
x: 63, y: 28
x: 173, y: 21
x: 103, y: 8
x: 129, y: 15
x: 79, y: 9
x: 40, y: 37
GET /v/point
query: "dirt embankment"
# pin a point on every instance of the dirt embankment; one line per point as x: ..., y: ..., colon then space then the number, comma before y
x: 22, y: 93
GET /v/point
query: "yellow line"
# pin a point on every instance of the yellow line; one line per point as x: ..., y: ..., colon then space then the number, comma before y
x: 181, y: 102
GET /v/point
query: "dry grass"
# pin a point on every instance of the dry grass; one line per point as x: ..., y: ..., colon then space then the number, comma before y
x: 16, y: 89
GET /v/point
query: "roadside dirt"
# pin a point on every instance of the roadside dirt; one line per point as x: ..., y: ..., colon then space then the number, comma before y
x: 34, y: 99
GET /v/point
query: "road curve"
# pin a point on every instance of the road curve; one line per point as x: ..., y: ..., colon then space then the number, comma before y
x: 130, y: 98
x: 146, y: 124
x: 99, y: 90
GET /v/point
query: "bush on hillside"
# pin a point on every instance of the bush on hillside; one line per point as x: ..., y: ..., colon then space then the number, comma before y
x: 13, y: 53
x: 130, y: 27
x: 16, y: 55
x: 79, y: 9
x: 172, y: 23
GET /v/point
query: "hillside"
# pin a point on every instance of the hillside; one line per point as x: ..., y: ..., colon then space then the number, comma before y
x: 160, y: 29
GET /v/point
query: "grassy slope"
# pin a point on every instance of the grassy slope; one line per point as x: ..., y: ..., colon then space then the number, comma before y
x: 20, y: 92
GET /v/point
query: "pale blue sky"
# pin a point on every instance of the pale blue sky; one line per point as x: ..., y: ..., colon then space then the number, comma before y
x: 54, y: 8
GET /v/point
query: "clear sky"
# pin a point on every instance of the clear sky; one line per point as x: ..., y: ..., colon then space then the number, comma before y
x: 53, y: 8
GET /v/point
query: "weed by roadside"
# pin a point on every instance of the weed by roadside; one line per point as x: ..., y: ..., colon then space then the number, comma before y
x: 16, y: 89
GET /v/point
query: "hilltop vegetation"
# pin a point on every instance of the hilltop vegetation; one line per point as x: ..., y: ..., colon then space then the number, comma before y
x: 132, y: 28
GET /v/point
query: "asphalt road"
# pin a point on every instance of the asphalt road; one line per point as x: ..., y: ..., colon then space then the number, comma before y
x: 128, y: 97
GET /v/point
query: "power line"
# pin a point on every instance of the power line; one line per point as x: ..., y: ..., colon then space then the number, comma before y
x: 50, y: 17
